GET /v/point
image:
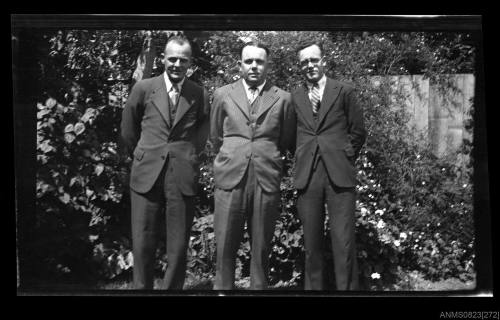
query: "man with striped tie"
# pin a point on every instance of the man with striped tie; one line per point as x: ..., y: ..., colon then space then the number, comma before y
x: 330, y: 134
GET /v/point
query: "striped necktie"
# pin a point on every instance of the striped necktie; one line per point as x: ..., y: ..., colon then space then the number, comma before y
x: 315, y: 99
x: 254, y: 91
x: 174, y: 94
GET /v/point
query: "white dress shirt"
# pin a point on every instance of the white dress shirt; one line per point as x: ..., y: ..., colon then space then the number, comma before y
x: 321, y: 87
x: 169, y: 85
x: 257, y: 91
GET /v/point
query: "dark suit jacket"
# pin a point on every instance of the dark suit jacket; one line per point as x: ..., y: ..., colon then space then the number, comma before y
x: 154, y: 138
x: 236, y: 138
x: 337, y: 136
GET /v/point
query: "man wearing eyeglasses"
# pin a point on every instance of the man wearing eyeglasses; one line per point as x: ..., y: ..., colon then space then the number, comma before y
x: 250, y: 129
x: 330, y: 134
x: 165, y: 125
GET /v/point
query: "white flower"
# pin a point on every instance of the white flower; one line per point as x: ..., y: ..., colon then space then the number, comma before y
x: 375, y: 275
x: 381, y: 224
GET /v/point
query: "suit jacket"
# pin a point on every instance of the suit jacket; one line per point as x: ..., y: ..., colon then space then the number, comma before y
x: 237, y: 139
x: 154, y: 138
x: 337, y: 135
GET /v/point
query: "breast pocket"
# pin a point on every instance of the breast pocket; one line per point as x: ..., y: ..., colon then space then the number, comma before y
x: 138, y: 154
x: 191, y: 114
x: 222, y: 156
x: 349, y: 150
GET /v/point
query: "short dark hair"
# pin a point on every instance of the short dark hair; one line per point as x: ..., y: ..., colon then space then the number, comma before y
x: 254, y: 44
x: 179, y: 39
x: 306, y: 44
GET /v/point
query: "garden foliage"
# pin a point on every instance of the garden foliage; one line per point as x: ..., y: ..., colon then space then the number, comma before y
x: 414, y: 210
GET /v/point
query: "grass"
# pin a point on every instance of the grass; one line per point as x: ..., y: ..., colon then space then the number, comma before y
x: 411, y: 281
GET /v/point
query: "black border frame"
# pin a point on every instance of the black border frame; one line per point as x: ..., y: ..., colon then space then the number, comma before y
x: 25, y: 115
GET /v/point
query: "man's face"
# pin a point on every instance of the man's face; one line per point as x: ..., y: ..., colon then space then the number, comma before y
x: 311, y: 63
x: 254, y: 65
x: 177, y: 60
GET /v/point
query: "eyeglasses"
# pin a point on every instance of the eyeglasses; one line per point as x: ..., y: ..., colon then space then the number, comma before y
x: 174, y: 60
x: 314, y: 61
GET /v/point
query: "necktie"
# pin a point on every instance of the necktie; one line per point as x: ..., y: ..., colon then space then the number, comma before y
x: 315, y: 99
x: 174, y: 94
x: 253, y: 94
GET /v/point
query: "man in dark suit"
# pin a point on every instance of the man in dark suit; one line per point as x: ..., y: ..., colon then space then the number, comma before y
x: 330, y: 134
x: 249, y: 130
x: 165, y: 126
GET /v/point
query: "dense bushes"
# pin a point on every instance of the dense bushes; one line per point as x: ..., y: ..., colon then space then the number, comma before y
x: 414, y: 210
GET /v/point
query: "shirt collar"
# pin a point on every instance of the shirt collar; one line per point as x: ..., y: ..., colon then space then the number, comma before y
x: 168, y: 83
x: 247, y: 87
x: 321, y: 83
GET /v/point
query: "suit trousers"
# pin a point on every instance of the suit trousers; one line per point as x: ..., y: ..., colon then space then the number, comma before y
x: 146, y: 211
x: 311, y: 210
x: 246, y: 202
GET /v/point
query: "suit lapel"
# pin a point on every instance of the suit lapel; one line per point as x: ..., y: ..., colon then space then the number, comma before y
x: 268, y: 98
x: 305, y: 106
x: 239, y: 97
x: 160, y: 98
x: 186, y: 101
x: 330, y: 95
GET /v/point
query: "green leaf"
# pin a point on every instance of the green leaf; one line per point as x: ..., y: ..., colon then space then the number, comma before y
x: 69, y: 128
x: 65, y: 198
x: 79, y: 128
x: 50, y: 103
x: 99, y: 168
